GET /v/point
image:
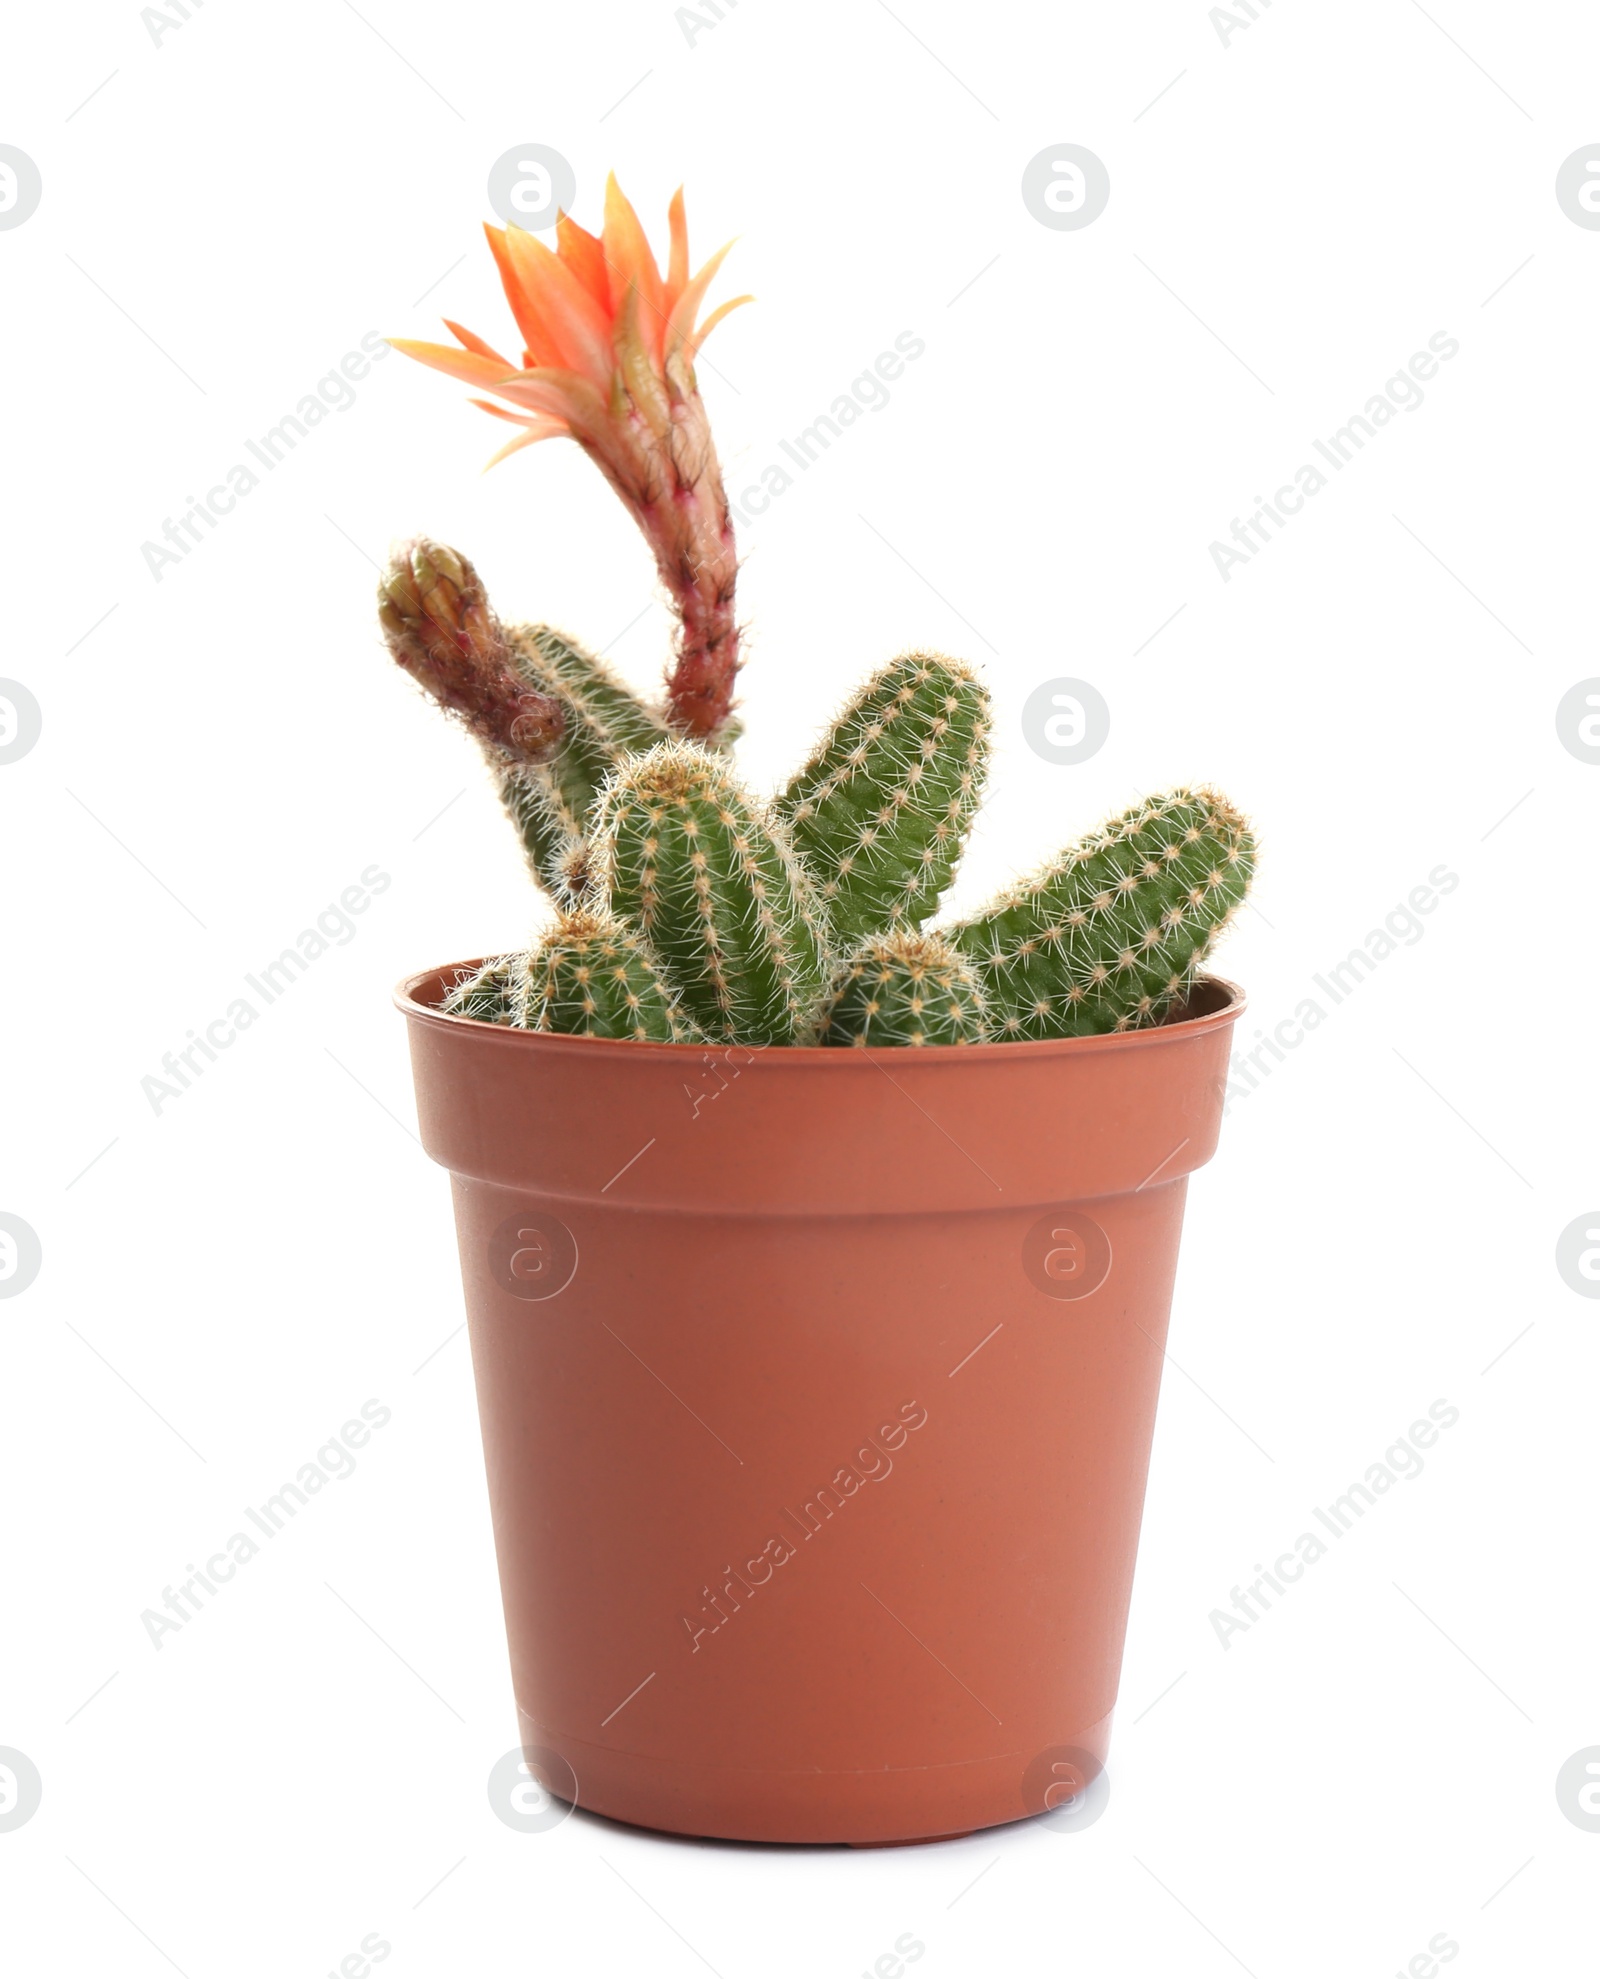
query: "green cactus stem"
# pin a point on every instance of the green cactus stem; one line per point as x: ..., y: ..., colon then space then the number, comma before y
x: 487, y: 993
x: 592, y: 977
x: 904, y: 988
x: 543, y: 823
x: 689, y: 857
x: 439, y: 626
x: 1110, y: 936
x: 603, y: 721
x: 882, y: 810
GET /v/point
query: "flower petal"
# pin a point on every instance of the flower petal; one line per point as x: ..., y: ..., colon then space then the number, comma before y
x: 554, y: 431
x: 541, y: 346
x: 584, y: 255
x: 534, y: 428
x: 464, y: 364
x: 678, y: 260
x: 629, y: 261
x: 694, y: 342
x: 576, y: 324
x: 549, y: 429
x: 470, y: 341
x: 559, y: 395
x: 687, y: 307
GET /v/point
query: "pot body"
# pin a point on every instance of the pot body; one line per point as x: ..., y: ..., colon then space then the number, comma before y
x: 817, y: 1391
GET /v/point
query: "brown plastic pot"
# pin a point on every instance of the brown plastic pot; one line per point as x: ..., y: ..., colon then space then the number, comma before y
x: 817, y: 1390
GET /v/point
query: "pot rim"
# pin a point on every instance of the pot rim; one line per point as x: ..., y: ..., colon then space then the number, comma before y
x: 409, y: 1000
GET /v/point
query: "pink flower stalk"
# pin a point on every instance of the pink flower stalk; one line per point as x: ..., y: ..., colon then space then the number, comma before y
x: 608, y: 361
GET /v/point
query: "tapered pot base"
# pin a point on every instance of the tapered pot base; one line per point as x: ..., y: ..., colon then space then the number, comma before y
x: 881, y: 1807
x: 817, y: 1391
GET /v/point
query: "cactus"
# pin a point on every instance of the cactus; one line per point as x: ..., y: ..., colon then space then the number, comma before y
x: 572, y: 878
x: 592, y: 977
x: 688, y: 908
x: 1110, y: 935
x: 487, y: 992
x: 688, y: 857
x: 904, y: 988
x: 604, y: 719
x: 543, y: 823
x: 441, y: 629
x: 882, y: 810
x: 550, y: 803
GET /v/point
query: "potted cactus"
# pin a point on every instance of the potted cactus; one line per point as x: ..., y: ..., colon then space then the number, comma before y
x: 817, y: 1258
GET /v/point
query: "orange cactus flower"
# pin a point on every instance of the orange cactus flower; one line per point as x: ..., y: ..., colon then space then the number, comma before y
x: 608, y: 360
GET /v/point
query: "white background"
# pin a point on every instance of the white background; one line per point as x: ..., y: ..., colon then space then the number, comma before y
x: 224, y: 751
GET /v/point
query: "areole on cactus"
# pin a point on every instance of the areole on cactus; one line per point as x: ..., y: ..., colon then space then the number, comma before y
x: 689, y: 908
